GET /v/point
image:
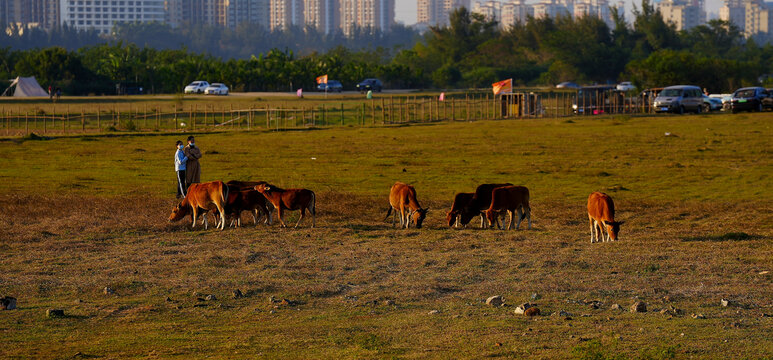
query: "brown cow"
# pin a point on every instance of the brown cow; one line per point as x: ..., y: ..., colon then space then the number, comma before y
x: 202, y: 196
x: 509, y: 199
x: 601, y: 210
x: 460, y: 201
x: 247, y: 200
x: 402, y: 198
x: 290, y: 199
x: 480, y: 202
x: 245, y: 185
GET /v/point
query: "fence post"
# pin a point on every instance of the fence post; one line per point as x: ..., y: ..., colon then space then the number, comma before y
x: 158, y: 118
x: 83, y: 120
x: 373, y: 111
x: 383, y: 118
x: 99, y: 124
x: 342, y: 114
x: 249, y: 120
x: 26, y: 122
x: 268, y: 119
x: 324, y: 116
x: 401, y: 104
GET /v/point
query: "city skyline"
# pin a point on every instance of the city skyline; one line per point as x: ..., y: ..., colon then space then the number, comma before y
x: 406, y: 10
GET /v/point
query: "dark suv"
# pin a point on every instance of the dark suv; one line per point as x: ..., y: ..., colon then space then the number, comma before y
x: 370, y: 84
x: 751, y: 99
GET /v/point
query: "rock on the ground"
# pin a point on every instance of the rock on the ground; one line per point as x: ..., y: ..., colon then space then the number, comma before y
x: 108, y: 291
x: 495, y: 300
x: 433, y: 312
x: 7, y: 303
x: 54, y: 313
x: 389, y: 302
x: 535, y: 296
x: 237, y: 294
x: 616, y: 307
x: 210, y: 298
x: 523, y: 307
x: 639, y: 306
x: 563, y: 313
x: 532, y: 311
x: 725, y: 302
x: 698, y: 316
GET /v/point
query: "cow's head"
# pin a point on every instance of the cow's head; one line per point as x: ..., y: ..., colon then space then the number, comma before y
x: 491, y: 216
x: 263, y: 188
x: 466, y: 215
x: 179, y: 212
x: 418, y: 217
x: 451, y: 217
x: 613, y: 227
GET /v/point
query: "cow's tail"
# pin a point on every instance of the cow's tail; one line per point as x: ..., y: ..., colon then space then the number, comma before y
x: 226, y: 190
x: 526, y: 207
x: 389, y: 212
x: 313, y: 206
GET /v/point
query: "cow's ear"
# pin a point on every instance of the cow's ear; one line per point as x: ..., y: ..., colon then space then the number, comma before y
x: 620, y: 223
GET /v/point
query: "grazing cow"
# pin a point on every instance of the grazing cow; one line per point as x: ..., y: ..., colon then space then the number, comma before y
x: 245, y: 185
x: 402, y: 198
x: 460, y: 201
x: 601, y: 211
x: 247, y: 200
x: 480, y: 202
x: 509, y: 199
x: 202, y: 197
x: 290, y: 199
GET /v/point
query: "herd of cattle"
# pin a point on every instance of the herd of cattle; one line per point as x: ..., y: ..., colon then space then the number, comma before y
x: 492, y: 202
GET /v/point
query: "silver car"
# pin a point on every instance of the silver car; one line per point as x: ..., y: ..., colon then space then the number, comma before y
x: 679, y: 99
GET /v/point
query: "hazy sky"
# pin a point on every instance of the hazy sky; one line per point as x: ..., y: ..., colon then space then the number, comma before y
x: 405, y: 10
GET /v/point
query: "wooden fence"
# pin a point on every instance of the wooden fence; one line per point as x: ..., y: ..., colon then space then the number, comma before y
x: 63, y: 119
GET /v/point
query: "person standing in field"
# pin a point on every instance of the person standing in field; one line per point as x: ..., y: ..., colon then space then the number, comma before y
x: 180, y: 162
x: 192, y: 168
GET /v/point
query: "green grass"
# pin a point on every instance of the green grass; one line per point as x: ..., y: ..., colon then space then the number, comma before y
x: 81, y: 213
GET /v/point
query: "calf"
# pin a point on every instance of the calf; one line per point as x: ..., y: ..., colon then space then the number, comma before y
x: 247, y: 200
x: 402, y: 198
x: 460, y: 201
x: 290, y: 199
x: 601, y: 211
x: 201, y: 198
x: 509, y: 199
x: 479, y: 203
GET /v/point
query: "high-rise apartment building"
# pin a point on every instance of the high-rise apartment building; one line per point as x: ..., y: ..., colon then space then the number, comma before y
x: 436, y: 12
x: 235, y: 12
x: 683, y: 14
x: 368, y: 15
x: 284, y: 14
x: 734, y: 11
x: 102, y: 15
x: 30, y: 13
x: 196, y: 12
x: 759, y: 20
x: 516, y: 11
x: 491, y: 9
x: 551, y: 9
x: 323, y: 15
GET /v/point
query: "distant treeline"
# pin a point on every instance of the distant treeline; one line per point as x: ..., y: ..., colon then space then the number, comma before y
x: 471, y: 52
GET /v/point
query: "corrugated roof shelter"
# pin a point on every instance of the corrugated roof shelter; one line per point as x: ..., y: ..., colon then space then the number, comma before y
x: 26, y: 87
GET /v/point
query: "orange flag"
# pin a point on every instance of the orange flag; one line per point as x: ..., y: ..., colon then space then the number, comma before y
x: 322, y: 79
x: 502, y: 87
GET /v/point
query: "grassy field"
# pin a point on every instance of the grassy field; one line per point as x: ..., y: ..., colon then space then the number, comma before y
x: 83, y: 213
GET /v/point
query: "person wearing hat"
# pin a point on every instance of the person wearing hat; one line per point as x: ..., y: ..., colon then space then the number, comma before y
x: 179, y: 167
x: 193, y: 170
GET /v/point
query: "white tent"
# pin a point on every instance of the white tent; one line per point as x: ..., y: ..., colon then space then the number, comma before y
x: 27, y: 87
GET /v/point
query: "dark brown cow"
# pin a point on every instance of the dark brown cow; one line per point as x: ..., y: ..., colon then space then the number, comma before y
x: 480, y: 202
x: 202, y: 196
x: 601, y: 211
x: 290, y: 199
x: 247, y: 200
x: 402, y: 198
x: 245, y: 185
x: 460, y: 201
x: 509, y: 199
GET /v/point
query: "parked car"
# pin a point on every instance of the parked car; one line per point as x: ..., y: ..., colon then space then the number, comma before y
x: 196, y: 87
x: 567, y: 85
x: 625, y: 86
x: 216, y: 89
x: 370, y: 84
x: 679, y: 99
x: 331, y: 86
x: 711, y: 103
x: 751, y: 99
x: 598, y: 99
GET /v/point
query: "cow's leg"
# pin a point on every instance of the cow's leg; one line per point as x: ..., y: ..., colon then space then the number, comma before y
x: 255, y: 216
x: 513, y: 215
x: 592, y: 228
x: 394, y: 217
x: 195, y: 215
x: 303, y: 213
x: 279, y: 215
x: 527, y: 210
x: 483, y: 222
x: 313, y: 211
x: 456, y: 221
